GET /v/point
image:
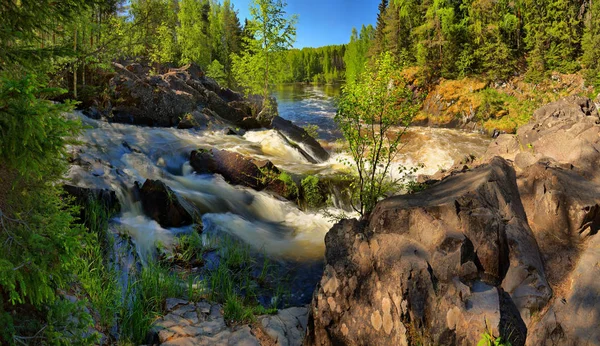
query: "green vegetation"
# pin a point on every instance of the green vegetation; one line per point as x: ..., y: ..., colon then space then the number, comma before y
x: 270, y: 31
x: 145, y: 300
x: 311, y: 191
x: 487, y: 339
x: 312, y: 130
x: 312, y: 65
x: 97, y: 277
x: 291, y: 189
x: 369, y: 112
x: 39, y: 241
x: 232, y: 283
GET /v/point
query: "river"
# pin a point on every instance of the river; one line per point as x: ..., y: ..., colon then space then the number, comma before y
x: 117, y: 155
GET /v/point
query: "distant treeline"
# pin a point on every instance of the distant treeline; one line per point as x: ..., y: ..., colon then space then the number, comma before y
x: 495, y: 39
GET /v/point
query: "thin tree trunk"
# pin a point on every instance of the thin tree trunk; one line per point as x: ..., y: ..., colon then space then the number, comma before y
x: 75, y: 65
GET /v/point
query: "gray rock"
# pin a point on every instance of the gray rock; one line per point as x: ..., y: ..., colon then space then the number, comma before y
x: 171, y: 303
x: 242, y: 337
x: 288, y: 327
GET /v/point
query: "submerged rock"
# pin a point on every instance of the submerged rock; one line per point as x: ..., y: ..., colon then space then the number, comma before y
x: 440, y: 266
x: 162, y: 204
x: 296, y: 135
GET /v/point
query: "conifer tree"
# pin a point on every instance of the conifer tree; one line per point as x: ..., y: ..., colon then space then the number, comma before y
x: 380, y: 43
x: 590, y: 44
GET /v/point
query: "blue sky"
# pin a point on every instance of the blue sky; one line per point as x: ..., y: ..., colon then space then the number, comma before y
x: 323, y: 22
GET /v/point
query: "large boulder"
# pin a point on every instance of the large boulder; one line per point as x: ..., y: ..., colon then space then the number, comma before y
x: 573, y: 316
x: 557, y: 158
x: 308, y: 146
x: 437, y: 267
x: 562, y: 207
x: 235, y: 168
x: 566, y: 131
x: 158, y: 100
x: 564, y: 215
x: 240, y: 170
x: 162, y: 204
x: 165, y: 99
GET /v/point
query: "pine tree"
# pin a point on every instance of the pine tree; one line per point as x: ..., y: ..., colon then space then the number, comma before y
x: 493, y: 27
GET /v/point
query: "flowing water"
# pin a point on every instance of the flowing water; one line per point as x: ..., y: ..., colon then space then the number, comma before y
x: 116, y: 155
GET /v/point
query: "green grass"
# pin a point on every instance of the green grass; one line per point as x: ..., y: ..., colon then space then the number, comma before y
x: 190, y: 248
x: 94, y: 272
x: 232, y: 284
x: 145, y: 300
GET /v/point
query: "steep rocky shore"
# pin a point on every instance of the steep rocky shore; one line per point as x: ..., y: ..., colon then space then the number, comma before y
x: 509, y: 247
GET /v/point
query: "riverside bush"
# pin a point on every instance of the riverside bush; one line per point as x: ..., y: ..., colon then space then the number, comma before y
x: 39, y: 241
x: 373, y: 115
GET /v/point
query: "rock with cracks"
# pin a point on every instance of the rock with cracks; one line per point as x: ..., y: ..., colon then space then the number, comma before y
x: 203, y: 323
x: 437, y: 267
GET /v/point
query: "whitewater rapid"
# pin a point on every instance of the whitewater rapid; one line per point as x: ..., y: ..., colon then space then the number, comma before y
x: 114, y: 156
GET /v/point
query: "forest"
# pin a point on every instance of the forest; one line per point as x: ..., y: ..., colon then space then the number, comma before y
x: 450, y: 39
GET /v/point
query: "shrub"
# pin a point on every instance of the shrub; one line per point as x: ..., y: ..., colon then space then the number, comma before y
x: 373, y: 114
x: 313, y: 196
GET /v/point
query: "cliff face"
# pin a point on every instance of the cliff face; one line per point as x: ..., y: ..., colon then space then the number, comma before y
x: 509, y: 247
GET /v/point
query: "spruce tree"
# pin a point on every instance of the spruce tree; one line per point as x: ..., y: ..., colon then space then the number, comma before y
x: 379, y: 44
x: 590, y: 43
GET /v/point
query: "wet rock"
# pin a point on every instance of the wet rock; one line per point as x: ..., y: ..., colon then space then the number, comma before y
x: 163, y: 205
x: 234, y: 168
x: 314, y: 151
x: 433, y: 267
x: 188, y: 122
x: 84, y: 196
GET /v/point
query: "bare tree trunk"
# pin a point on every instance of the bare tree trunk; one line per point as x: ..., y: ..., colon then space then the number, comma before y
x: 75, y: 64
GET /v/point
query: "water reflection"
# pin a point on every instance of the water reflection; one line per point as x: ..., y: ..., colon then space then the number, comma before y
x: 306, y: 104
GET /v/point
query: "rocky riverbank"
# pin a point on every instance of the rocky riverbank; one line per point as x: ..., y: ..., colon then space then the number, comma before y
x: 509, y: 248
x: 503, y: 244
x: 202, y: 323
